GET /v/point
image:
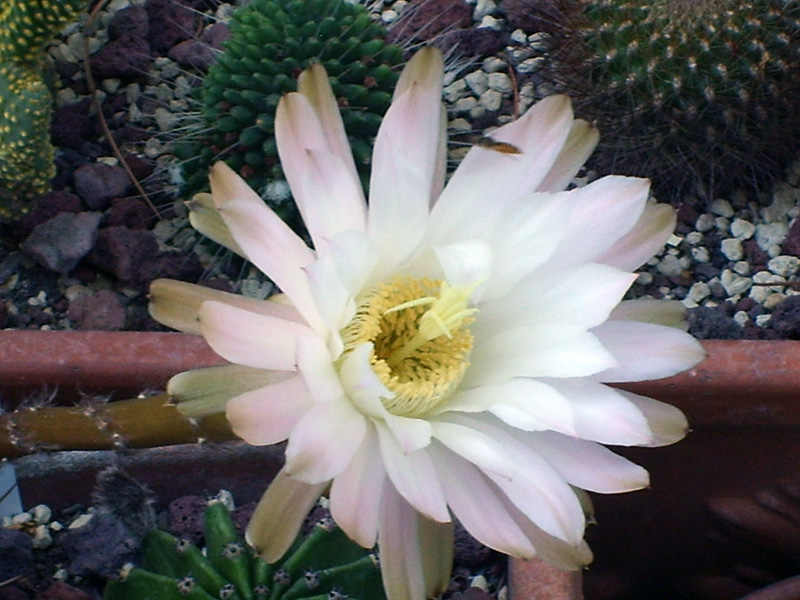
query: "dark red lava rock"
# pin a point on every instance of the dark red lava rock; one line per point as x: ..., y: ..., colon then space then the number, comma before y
x: 791, y: 244
x: 786, y: 318
x: 63, y: 591
x: 16, y: 553
x: 711, y: 323
x: 98, y: 183
x: 170, y: 22
x: 60, y: 243
x: 127, y: 57
x: 186, y: 518
x: 194, y: 54
x: 132, y: 19
x: 71, y: 123
x: 129, y: 212
x: 47, y: 207
x: 99, y: 311
x: 423, y: 20
x: 122, y: 251
x: 472, y: 593
x: 535, y: 15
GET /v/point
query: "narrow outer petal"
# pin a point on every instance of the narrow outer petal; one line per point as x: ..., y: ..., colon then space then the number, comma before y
x: 404, y: 162
x: 646, y: 238
x: 580, y: 144
x: 401, y: 557
x: 205, y: 218
x: 266, y: 240
x: 280, y: 514
x: 251, y: 339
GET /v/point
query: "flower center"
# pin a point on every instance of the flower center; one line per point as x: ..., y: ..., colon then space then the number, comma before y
x: 418, y: 328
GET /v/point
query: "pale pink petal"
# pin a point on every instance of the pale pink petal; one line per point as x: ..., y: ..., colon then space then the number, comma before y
x: 523, y: 238
x: 280, y: 514
x: 588, y: 465
x: 176, y: 304
x: 478, y: 448
x: 671, y: 313
x: 404, y: 161
x: 602, y: 213
x: 413, y: 475
x: 317, y: 369
x: 268, y: 415
x: 602, y: 414
x: 580, y: 144
x: 355, y: 258
x: 521, y: 402
x: 537, y: 490
x: 554, y: 351
x: 667, y: 423
x: 401, y: 553
x: 581, y: 296
x: 205, y: 218
x: 313, y: 83
x: 486, y: 181
x: 465, y: 264
x: 251, y: 339
x: 365, y: 390
x: 268, y: 242
x: 646, y: 351
x: 324, y: 440
x: 336, y: 304
x: 357, y: 491
x: 646, y: 238
x: 476, y: 504
x: 552, y: 550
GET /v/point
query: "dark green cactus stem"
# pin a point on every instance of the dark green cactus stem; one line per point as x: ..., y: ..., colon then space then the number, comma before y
x: 688, y: 91
x: 136, y: 423
x: 272, y: 42
x: 324, y: 565
x: 26, y: 154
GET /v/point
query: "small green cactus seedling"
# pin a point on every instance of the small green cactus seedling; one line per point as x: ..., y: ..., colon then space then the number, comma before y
x: 26, y: 154
x: 689, y: 91
x: 272, y: 42
x: 323, y: 565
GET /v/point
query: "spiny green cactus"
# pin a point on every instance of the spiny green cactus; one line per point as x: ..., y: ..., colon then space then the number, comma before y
x: 26, y: 154
x: 688, y: 91
x: 324, y: 565
x: 272, y: 41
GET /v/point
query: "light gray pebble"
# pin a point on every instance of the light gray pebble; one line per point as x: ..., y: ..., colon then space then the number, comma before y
x: 784, y: 265
x: 530, y: 65
x: 539, y: 41
x: 732, y: 249
x: 770, y: 235
x: 478, y: 82
x: 519, y: 36
x: 670, y: 266
x: 388, y: 16
x: 705, y: 222
x: 698, y: 292
x: 693, y: 238
x: 489, y: 22
x: 742, y: 318
x: 644, y: 278
x: 722, y: 224
x: 742, y: 229
x: 455, y: 90
x: 501, y: 82
x: 465, y: 104
x: 491, y: 100
x: 700, y: 254
x: 165, y: 119
x: 722, y: 208
x: 493, y: 65
x: 459, y: 125
x: 773, y: 299
x: 483, y: 8
x: 734, y: 284
x: 763, y: 320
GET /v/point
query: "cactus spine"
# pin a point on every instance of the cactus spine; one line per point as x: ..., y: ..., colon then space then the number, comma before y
x: 26, y: 154
x: 325, y: 565
x: 272, y: 41
x: 688, y: 90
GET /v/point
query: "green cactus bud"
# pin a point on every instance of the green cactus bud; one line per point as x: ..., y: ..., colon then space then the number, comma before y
x: 324, y: 564
x: 688, y: 91
x: 272, y: 41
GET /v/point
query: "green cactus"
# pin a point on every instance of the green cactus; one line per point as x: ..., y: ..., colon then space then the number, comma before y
x: 272, y: 41
x: 688, y: 91
x: 324, y: 565
x: 26, y: 154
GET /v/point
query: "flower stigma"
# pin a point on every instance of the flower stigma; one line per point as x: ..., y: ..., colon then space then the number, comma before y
x: 420, y: 337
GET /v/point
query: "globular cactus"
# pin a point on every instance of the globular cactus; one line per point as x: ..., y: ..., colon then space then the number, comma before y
x: 272, y: 41
x: 688, y: 91
x: 26, y: 154
x: 323, y: 565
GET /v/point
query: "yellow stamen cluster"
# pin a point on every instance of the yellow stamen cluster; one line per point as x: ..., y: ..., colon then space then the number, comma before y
x: 418, y: 328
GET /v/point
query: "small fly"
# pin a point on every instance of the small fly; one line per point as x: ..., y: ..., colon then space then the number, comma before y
x: 489, y: 143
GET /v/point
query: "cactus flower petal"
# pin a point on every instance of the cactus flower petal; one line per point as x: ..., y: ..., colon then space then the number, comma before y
x: 451, y: 349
